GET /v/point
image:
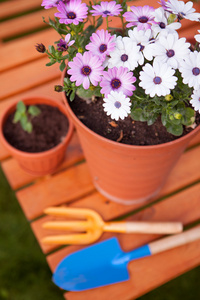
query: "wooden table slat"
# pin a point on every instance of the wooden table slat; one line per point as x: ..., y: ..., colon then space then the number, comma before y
x: 10, y: 8
x: 25, y: 23
x: 64, y: 187
x: 27, y: 76
x: 26, y: 49
x: 183, y: 206
x: 185, y: 172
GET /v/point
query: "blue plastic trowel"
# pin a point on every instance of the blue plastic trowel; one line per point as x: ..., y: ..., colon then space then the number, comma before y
x: 106, y: 263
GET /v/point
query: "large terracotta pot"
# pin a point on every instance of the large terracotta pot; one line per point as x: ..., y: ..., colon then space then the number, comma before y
x: 123, y: 173
x: 41, y: 163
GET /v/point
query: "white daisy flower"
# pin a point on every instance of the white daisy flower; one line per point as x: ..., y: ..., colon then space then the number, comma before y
x: 161, y: 17
x: 195, y: 101
x: 117, y: 105
x: 171, y: 49
x: 157, y: 79
x: 125, y: 54
x: 190, y: 70
x: 197, y: 37
x: 182, y: 10
x: 143, y: 39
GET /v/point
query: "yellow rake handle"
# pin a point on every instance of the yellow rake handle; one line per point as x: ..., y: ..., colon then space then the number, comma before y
x: 90, y: 226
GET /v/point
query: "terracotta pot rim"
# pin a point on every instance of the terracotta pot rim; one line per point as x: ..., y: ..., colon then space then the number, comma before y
x: 54, y: 102
x: 110, y: 142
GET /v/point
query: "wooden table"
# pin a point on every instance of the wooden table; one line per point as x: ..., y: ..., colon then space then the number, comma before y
x: 23, y: 72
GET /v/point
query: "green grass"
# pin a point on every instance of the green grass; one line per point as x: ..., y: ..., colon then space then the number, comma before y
x: 25, y: 275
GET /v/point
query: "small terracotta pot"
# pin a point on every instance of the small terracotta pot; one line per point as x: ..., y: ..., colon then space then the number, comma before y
x: 41, y: 163
x: 123, y: 173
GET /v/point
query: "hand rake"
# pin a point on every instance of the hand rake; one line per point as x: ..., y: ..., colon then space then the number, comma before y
x: 90, y: 226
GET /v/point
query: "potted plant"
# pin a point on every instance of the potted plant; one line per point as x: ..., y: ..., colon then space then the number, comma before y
x: 36, y: 131
x: 132, y: 89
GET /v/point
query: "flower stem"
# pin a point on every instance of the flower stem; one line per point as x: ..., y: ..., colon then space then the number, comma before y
x: 107, y: 23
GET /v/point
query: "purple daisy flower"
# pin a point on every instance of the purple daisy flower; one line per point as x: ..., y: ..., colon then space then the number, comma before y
x: 73, y: 12
x: 64, y: 44
x: 140, y: 16
x: 106, y: 9
x: 118, y: 79
x: 102, y: 43
x: 52, y: 3
x: 49, y: 3
x: 85, y: 68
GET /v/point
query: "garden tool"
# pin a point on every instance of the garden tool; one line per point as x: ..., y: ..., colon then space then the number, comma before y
x: 106, y: 263
x: 91, y: 226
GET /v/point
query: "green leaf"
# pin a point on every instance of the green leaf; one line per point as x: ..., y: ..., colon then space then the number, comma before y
x: 33, y: 110
x: 52, y: 50
x: 85, y: 93
x: 176, y: 130
x: 151, y: 120
x: 51, y: 22
x: 21, y: 107
x: 72, y: 96
x: 99, y: 22
x: 67, y: 80
x: 137, y: 114
x: 164, y: 119
x: 176, y: 121
x: 28, y: 127
x: 188, y: 116
x: 17, y: 117
x: 23, y: 121
x: 62, y: 66
x: 50, y: 64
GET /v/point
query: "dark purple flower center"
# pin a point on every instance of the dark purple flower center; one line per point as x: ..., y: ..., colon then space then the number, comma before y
x: 86, y: 70
x: 162, y: 25
x: 141, y: 47
x: 116, y: 83
x: 71, y: 15
x: 103, y: 48
x: 62, y: 46
x: 196, y: 71
x: 170, y: 53
x: 106, y: 12
x: 117, y: 104
x: 124, y: 57
x: 182, y: 14
x: 157, y: 80
x: 143, y: 19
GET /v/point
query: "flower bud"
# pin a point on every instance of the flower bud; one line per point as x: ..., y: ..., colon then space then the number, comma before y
x: 40, y: 48
x: 168, y: 97
x: 92, y: 87
x: 177, y: 116
x: 171, y: 19
x: 192, y: 120
x: 80, y: 50
x: 58, y: 88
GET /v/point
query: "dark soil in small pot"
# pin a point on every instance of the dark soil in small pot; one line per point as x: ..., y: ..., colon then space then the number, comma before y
x: 124, y: 131
x: 49, y: 129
